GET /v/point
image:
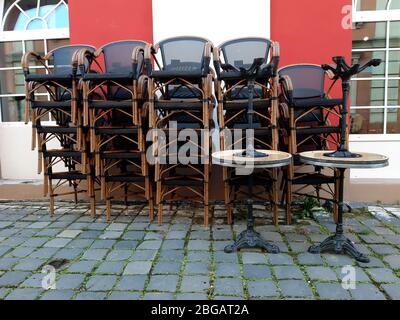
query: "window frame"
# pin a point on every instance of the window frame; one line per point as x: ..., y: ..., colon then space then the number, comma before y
x: 387, y: 16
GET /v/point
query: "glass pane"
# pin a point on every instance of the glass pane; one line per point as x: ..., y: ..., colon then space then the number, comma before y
x: 393, y: 93
x: 395, y: 5
x: 58, y: 18
x: 56, y: 43
x: 10, y: 54
x: 12, y: 109
x: 367, y: 93
x: 36, y: 46
x: 17, y: 19
x: 393, y: 120
x: 369, y: 35
x: 371, y: 5
x: 12, y: 82
x: 394, y: 41
x: 364, y: 57
x: 394, y: 64
x: 367, y: 121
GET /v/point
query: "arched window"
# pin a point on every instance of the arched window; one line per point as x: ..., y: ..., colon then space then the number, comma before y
x: 39, y: 25
x: 375, y: 98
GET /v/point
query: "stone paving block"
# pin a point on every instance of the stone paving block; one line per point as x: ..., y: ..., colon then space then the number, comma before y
x: 144, y: 255
x: 172, y: 255
x: 80, y: 243
x: 165, y: 283
x: 200, y: 235
x: 34, y: 242
x: 158, y: 296
x: 338, y: 260
x: 133, y: 235
x: 7, y: 263
x: 280, y: 259
x: 227, y: 270
x: 262, y: 288
x: 131, y: 283
x: 228, y: 286
x: 69, y: 234
x: 294, y: 237
x: 95, y: 254
x: 103, y: 244
x: 13, y: 278
x: 392, y: 290
x: 288, y: 272
x: 34, y: 281
x: 68, y: 253
x: 111, y: 235
x: 191, y: 296
x: 39, y: 225
x: 295, y: 288
x: 57, y: 243
x: 125, y: 245
x: 84, y: 266
x: 153, y: 236
x: 321, y: 273
x: 223, y: 235
x: 197, y: 268
x: 221, y: 245
x: 383, y: 275
x: 101, y: 282
x: 332, y: 291
x: 97, y: 226
x: 24, y: 294
x: 360, y: 274
x: 119, y: 255
x: 70, y: 281
x: 365, y: 291
x: 90, y: 234
x: 299, y: 247
x: 176, y: 235
x: 138, y: 267
x: 58, y: 295
x: 117, y: 226
x: 384, y: 249
x: 3, y: 292
x: 382, y: 231
x: 167, y: 267
x: 124, y: 295
x: 222, y: 257
x: 195, y: 284
x: 91, y: 296
x: 21, y: 252
x: 173, y: 244
x: 111, y: 267
x: 47, y: 232
x: 14, y: 241
x: 393, y: 261
x: 254, y: 258
x: 199, y: 245
x: 150, y: 245
x: 371, y: 238
x: 29, y: 264
x: 256, y: 271
x: 373, y: 263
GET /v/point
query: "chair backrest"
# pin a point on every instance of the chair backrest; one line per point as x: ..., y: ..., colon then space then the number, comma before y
x: 62, y: 58
x: 118, y: 56
x: 241, y: 53
x: 307, y: 80
x: 183, y: 54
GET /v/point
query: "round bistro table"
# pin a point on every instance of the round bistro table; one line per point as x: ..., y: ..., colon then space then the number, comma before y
x: 249, y: 238
x: 338, y: 243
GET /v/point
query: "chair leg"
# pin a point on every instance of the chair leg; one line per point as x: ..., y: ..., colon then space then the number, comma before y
x: 228, y: 206
x: 51, y: 198
x: 289, y: 190
x: 108, y: 203
x: 275, y: 196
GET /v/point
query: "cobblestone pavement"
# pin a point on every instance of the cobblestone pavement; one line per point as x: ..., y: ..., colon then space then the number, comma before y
x: 131, y: 258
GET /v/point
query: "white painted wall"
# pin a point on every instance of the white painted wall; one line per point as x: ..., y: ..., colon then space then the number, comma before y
x: 216, y: 20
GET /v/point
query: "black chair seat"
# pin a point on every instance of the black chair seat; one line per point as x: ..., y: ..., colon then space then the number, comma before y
x: 241, y: 93
x: 182, y: 182
x: 62, y: 153
x: 258, y: 104
x: 109, y: 76
x: 317, y: 130
x: 184, y: 92
x: 178, y: 105
x: 171, y: 74
x: 111, y: 104
x: 71, y: 175
x: 116, y: 130
x: 316, y: 102
x: 236, y: 75
x: 64, y: 78
x: 62, y: 105
x: 312, y: 179
x: 125, y: 178
x: 54, y: 129
x: 258, y: 179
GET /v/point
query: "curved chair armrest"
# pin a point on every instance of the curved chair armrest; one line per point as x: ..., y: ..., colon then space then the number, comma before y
x: 217, y: 61
x: 135, y: 59
x: 25, y: 61
x: 86, y: 54
x: 330, y: 74
x: 286, y: 88
x: 284, y: 111
x: 149, y: 52
x: 140, y: 86
x: 208, y: 49
x: 275, y: 57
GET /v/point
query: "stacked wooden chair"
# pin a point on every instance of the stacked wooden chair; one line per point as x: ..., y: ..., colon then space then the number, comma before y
x: 113, y: 111
x: 309, y: 120
x: 63, y: 147
x: 231, y: 59
x: 180, y: 97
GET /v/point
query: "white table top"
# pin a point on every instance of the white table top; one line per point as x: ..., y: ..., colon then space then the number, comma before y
x: 232, y: 159
x: 366, y: 161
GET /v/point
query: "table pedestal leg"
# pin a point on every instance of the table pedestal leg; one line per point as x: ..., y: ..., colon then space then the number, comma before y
x: 249, y: 238
x: 338, y: 243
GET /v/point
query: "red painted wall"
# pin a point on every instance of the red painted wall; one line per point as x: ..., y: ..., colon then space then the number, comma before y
x: 101, y: 21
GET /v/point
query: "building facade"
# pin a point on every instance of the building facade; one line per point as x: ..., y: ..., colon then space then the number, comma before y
x: 309, y: 31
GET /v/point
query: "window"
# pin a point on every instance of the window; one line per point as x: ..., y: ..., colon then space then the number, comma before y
x: 375, y: 95
x: 38, y: 25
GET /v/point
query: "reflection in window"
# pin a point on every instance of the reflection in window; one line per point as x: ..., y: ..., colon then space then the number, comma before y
x: 369, y: 35
x: 36, y: 15
x: 362, y: 57
x: 371, y: 5
x: 367, y: 93
x: 393, y: 120
x: 367, y: 121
